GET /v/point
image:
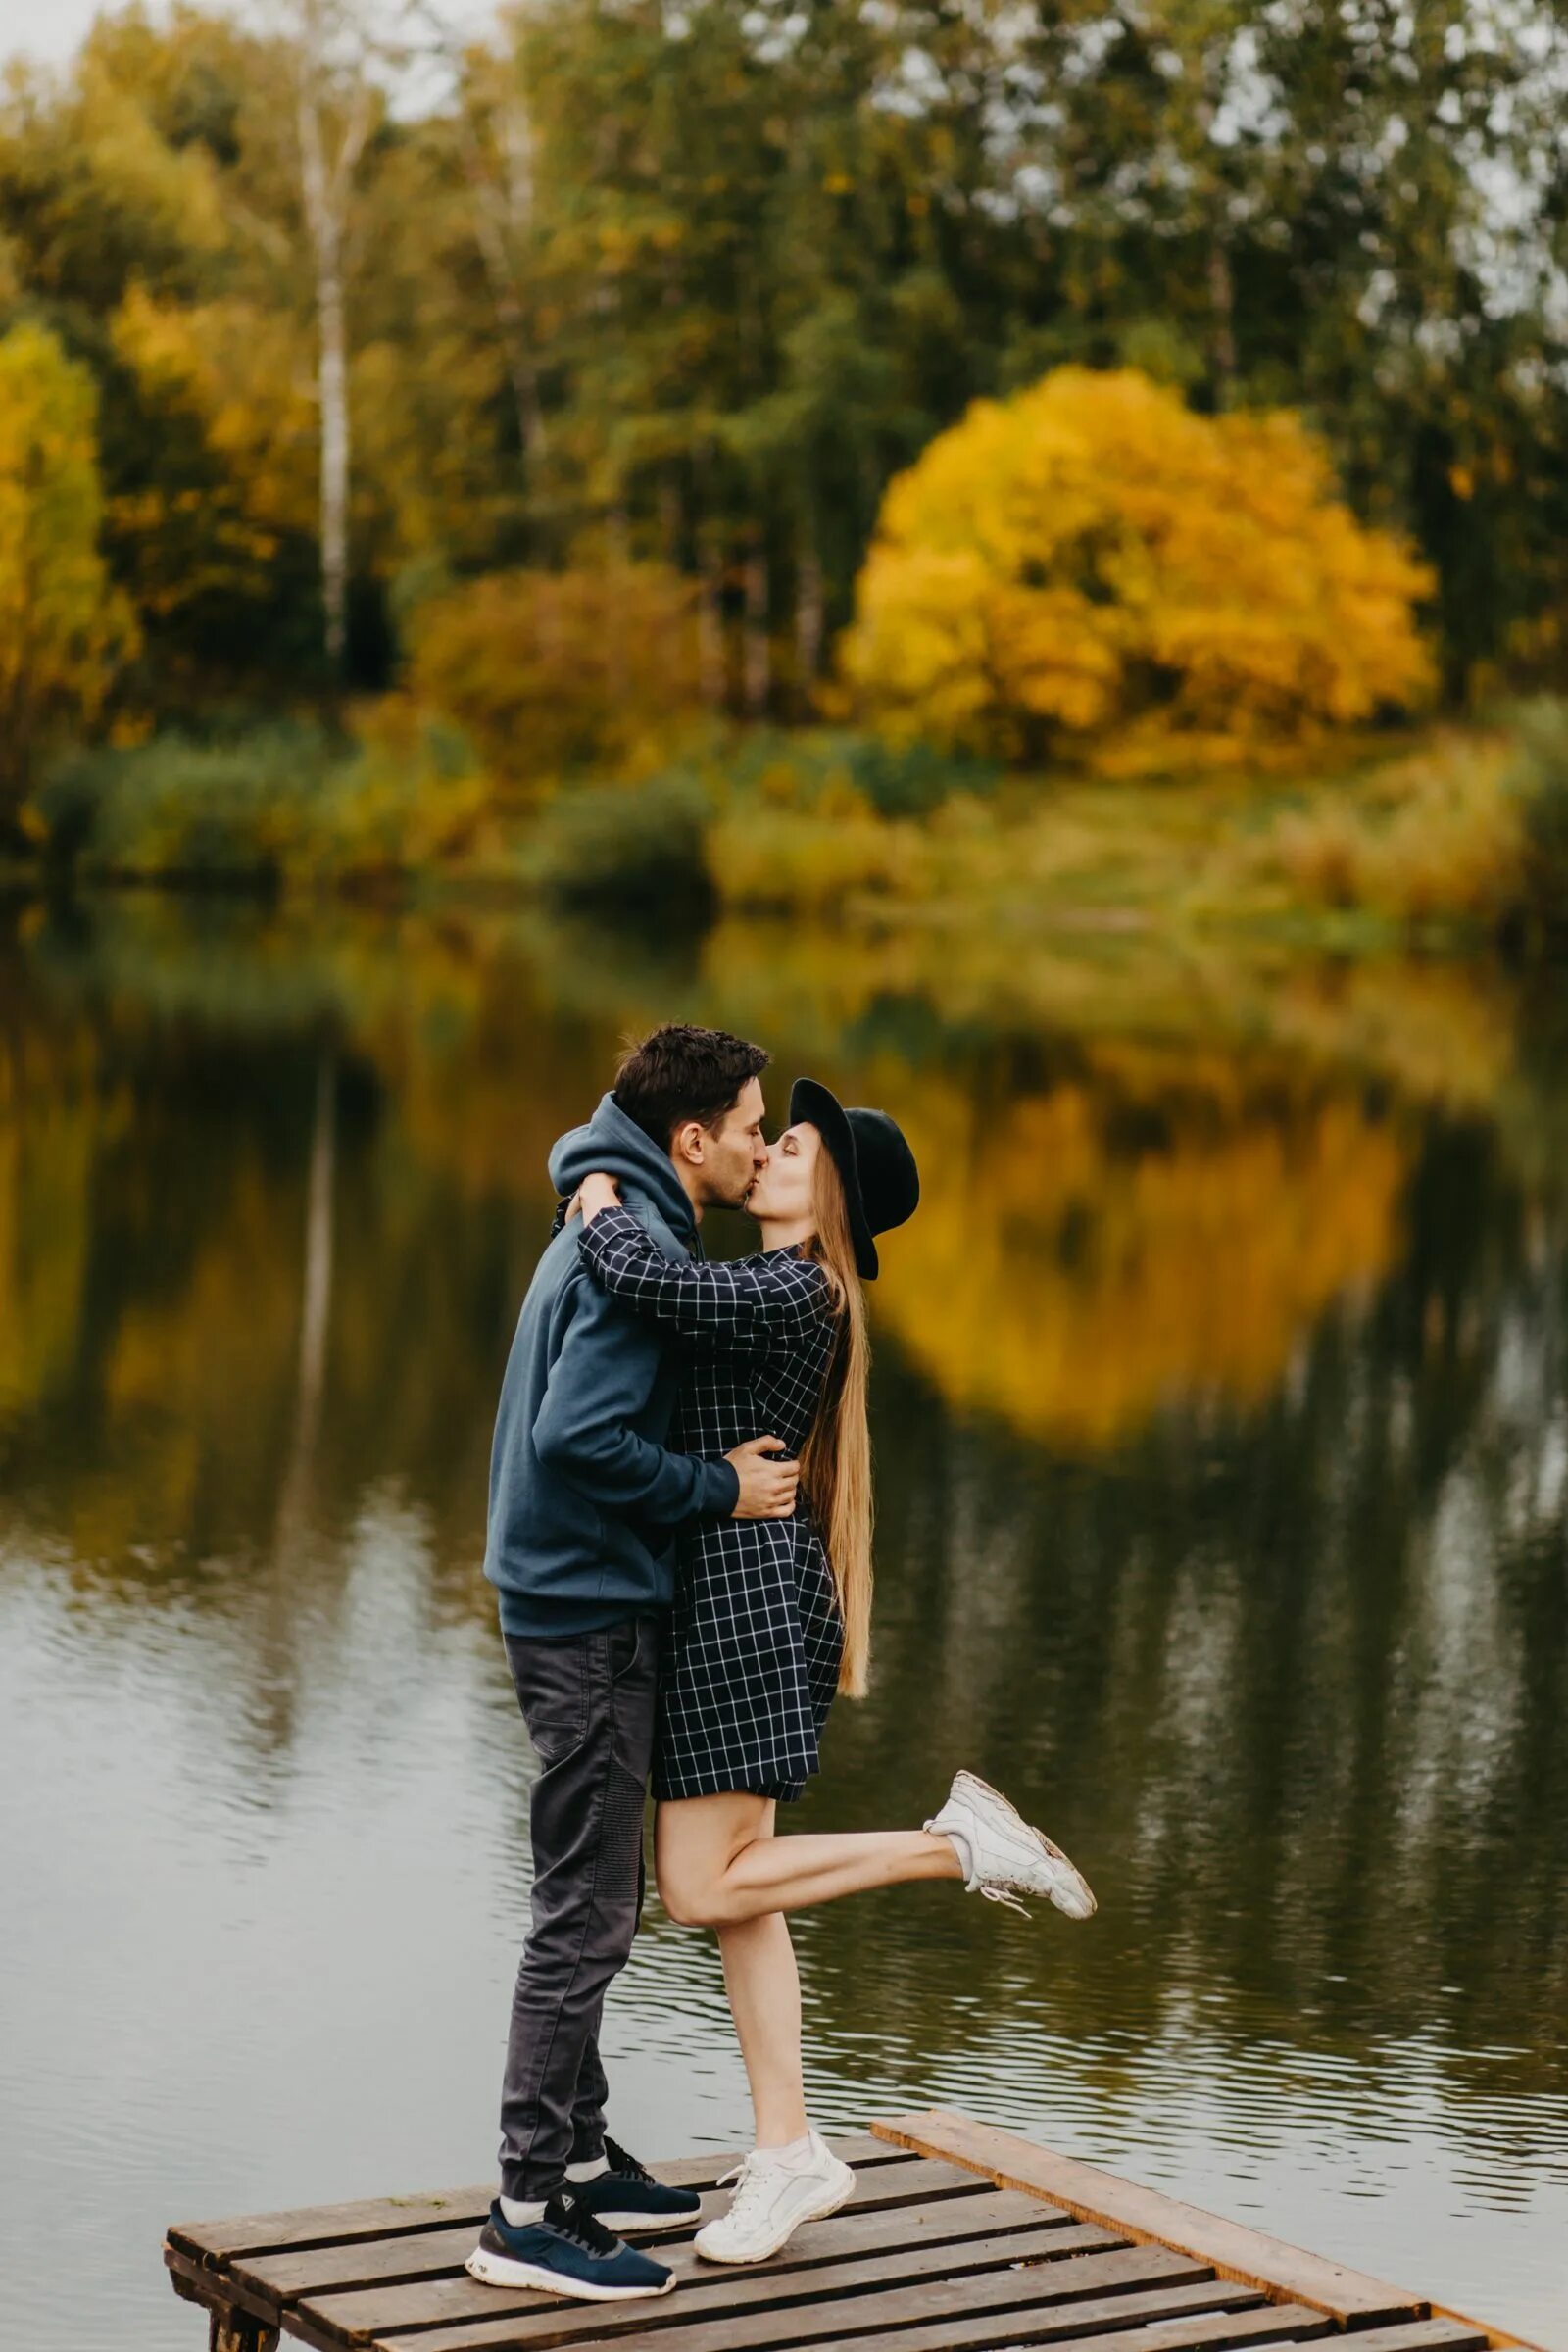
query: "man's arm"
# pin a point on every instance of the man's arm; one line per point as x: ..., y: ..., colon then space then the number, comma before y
x: 601, y: 1377
x: 601, y: 1380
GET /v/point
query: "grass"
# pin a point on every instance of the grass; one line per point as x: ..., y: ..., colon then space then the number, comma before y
x: 1458, y: 836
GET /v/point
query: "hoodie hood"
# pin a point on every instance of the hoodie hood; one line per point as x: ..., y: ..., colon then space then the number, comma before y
x: 618, y: 1145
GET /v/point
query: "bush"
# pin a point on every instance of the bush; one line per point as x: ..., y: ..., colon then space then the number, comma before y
x: 413, y: 796
x: 232, y: 812
x: 819, y: 770
x: 914, y: 779
x: 776, y: 859
x: 1539, y: 779
x: 548, y: 673
x: 1090, y: 571
x: 1434, y: 839
x: 286, y: 799
x: 641, y: 848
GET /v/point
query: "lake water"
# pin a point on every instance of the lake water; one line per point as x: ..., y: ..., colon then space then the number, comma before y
x: 1221, y: 1412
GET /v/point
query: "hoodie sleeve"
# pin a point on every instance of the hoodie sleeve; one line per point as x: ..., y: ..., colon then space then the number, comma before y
x: 772, y: 1298
x: 602, y: 1378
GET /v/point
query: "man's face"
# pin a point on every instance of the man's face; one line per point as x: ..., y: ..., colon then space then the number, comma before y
x: 734, y: 1154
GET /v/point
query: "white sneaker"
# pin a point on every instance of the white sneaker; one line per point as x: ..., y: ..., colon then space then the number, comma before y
x: 1003, y: 1856
x: 771, y: 2200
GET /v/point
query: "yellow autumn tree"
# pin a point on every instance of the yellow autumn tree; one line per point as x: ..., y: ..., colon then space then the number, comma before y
x: 235, y: 376
x: 64, y: 628
x: 1090, y: 571
x: 552, y: 672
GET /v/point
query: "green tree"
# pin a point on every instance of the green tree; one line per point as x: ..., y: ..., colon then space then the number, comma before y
x: 64, y: 628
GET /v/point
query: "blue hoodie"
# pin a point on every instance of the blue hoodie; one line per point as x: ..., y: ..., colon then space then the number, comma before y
x: 584, y: 1499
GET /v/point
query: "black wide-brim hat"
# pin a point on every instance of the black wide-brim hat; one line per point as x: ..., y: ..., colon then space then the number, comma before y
x: 881, y: 1182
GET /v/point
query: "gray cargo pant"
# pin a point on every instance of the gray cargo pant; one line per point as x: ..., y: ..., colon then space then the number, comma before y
x: 589, y: 1707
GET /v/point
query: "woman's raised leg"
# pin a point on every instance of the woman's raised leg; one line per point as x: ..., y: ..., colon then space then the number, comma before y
x: 719, y: 1865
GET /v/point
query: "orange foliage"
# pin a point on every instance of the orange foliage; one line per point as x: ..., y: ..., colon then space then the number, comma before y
x: 1089, y: 570
x: 548, y: 671
x: 65, y: 628
x: 242, y: 375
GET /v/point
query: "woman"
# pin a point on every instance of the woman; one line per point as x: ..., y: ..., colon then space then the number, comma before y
x: 773, y: 1616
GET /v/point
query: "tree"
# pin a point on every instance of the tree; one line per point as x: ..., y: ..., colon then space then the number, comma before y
x: 693, y: 285
x: 336, y: 107
x: 1090, y: 570
x: 64, y: 630
x: 549, y: 671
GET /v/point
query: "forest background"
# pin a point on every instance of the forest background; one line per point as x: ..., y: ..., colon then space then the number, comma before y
x: 490, y: 458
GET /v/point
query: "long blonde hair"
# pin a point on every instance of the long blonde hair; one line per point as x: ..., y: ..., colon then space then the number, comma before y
x: 836, y: 1458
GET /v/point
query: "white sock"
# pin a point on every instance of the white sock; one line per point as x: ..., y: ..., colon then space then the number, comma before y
x: 794, y: 2155
x: 577, y: 2173
x: 960, y: 1846
x: 521, y: 2212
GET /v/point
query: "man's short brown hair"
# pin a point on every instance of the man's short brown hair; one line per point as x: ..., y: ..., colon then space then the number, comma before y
x: 679, y: 1073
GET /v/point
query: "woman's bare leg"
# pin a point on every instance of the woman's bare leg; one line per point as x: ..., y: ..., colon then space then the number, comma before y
x: 719, y: 1864
x: 765, y: 1998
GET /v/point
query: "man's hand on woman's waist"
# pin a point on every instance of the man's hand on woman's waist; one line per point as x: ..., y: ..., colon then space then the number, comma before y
x: 768, y: 1480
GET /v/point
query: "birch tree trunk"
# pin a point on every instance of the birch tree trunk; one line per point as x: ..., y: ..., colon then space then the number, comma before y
x: 511, y: 326
x: 497, y: 149
x: 331, y: 382
x: 326, y: 183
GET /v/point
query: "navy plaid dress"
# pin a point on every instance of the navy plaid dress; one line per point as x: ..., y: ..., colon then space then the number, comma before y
x: 756, y: 1638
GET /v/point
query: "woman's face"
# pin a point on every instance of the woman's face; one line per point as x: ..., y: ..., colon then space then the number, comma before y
x: 786, y: 1185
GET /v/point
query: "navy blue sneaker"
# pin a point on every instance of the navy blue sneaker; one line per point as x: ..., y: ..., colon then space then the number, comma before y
x: 628, y: 2197
x: 567, y: 2253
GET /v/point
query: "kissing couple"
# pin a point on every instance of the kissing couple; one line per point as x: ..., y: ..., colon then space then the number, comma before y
x: 680, y: 1533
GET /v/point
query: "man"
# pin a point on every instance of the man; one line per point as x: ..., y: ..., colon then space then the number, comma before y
x: 584, y: 1501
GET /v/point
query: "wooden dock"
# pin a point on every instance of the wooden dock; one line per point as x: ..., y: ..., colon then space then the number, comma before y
x: 959, y: 2237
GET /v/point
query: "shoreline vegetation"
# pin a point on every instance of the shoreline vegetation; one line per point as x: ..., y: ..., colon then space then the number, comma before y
x: 1447, y: 838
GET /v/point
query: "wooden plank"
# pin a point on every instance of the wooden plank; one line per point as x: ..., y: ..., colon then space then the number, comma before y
x: 200, y: 2283
x: 186, y: 2290
x: 1422, y: 2335
x: 1128, y: 2315
x: 383, y: 2217
x: 1150, y: 2217
x: 358, y: 2317
x: 1247, y: 2320
x: 866, y: 2225
x: 1492, y: 2336
x: 324, y: 2225
x: 1103, y: 2284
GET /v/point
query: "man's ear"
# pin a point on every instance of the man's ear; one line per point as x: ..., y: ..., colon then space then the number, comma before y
x: 686, y: 1144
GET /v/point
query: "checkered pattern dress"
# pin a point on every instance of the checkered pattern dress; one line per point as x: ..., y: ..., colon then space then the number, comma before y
x: 755, y: 1636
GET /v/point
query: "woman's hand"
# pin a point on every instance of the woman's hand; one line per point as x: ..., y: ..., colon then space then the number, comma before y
x: 595, y: 1194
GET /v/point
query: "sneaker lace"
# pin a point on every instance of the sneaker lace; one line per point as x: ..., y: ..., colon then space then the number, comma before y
x: 1004, y: 1895
x: 748, y: 2178
x: 624, y: 2163
x: 575, y: 2221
